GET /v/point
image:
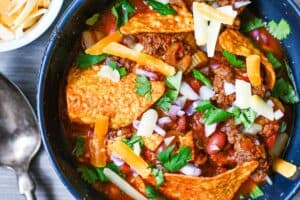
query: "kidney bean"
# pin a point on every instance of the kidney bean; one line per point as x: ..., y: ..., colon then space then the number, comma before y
x: 216, y: 143
x: 181, y: 124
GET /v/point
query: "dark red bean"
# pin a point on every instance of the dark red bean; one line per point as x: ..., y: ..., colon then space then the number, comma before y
x: 216, y: 143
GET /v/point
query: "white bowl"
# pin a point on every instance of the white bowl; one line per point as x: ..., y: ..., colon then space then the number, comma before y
x: 36, y: 31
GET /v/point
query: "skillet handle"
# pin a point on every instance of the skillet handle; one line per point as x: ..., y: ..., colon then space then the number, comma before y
x: 26, y: 185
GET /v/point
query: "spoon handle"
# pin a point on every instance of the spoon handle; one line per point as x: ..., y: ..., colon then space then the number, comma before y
x: 26, y: 185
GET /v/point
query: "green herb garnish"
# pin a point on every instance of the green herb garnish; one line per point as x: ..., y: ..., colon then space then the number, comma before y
x: 79, y: 146
x: 153, y: 194
x: 122, y: 70
x: 159, y: 176
x: 233, y: 60
x: 273, y: 60
x: 280, y: 30
x: 122, y: 11
x: 255, y: 23
x: 283, y: 127
x: 199, y: 76
x: 204, y: 105
x: 85, y: 60
x: 134, y: 139
x: 93, y: 19
x: 174, y: 162
x: 163, y: 9
x: 285, y: 91
x: 256, y: 193
x: 143, y: 86
x: 245, y: 116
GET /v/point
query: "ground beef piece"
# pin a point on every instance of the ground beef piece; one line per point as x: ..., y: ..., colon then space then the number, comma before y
x: 181, y: 124
x: 231, y: 131
x: 260, y: 91
x: 270, y: 129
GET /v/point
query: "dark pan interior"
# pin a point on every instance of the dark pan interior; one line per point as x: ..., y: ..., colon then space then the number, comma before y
x: 58, y: 57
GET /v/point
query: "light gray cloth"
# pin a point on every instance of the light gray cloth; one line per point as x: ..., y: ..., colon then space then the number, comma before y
x: 21, y: 66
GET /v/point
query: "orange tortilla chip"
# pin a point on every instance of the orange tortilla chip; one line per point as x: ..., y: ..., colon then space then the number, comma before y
x: 188, y: 140
x: 236, y: 43
x: 153, y: 141
x: 90, y: 96
x: 153, y: 22
x: 221, y: 187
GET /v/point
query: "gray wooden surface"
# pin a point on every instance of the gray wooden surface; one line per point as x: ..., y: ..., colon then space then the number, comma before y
x: 22, y: 66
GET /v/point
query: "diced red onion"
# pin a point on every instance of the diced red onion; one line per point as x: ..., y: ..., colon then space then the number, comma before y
x: 269, y: 180
x: 192, y: 108
x: 215, y: 65
x: 206, y: 93
x: 136, y: 124
x: 210, y: 129
x: 134, y: 172
x: 255, y: 34
x: 180, y: 101
x: 116, y: 160
x: 188, y: 92
x: 278, y: 114
x: 168, y: 140
x: 241, y: 4
x: 150, y: 75
x: 160, y: 131
x: 164, y: 120
x: 191, y: 170
x: 174, y: 110
x: 160, y: 149
x: 180, y: 113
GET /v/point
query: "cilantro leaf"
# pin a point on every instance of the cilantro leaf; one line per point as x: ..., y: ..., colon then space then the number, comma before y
x: 279, y: 30
x: 256, y: 193
x: 174, y: 162
x: 159, y: 176
x: 93, y: 19
x: 153, y: 194
x: 273, y: 60
x: 245, y: 116
x: 285, y: 91
x: 204, y: 105
x: 199, y: 76
x: 255, y: 23
x: 233, y: 60
x: 215, y: 116
x: 88, y: 174
x: 85, y: 60
x: 114, y: 66
x: 122, y: 11
x: 283, y: 127
x: 174, y: 82
x: 79, y: 146
x: 134, y: 139
x: 143, y: 86
x: 163, y: 9
x: 165, y: 102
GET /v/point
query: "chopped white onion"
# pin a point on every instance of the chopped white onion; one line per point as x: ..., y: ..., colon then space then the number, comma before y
x: 243, y: 94
x: 210, y: 129
x: 147, y: 123
x: 278, y: 114
x: 206, y: 93
x: 180, y: 113
x: 241, y: 4
x: 214, y: 29
x: 150, y: 75
x: 188, y: 92
x: 164, y: 120
x: 180, y: 101
x: 109, y: 73
x: 169, y: 140
x: 190, y: 110
x: 261, y: 107
x: 191, y: 170
x: 160, y: 131
x: 116, y: 160
x: 122, y: 184
x: 229, y: 88
x: 138, y: 47
x: 254, y: 129
x: 270, y: 103
x: 137, y: 148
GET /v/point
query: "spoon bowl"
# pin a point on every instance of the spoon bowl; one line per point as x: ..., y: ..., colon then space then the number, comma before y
x: 19, y: 134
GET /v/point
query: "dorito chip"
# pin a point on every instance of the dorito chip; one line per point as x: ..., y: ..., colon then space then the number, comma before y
x: 221, y: 187
x: 153, y: 22
x: 90, y: 96
x: 188, y: 140
x: 234, y: 42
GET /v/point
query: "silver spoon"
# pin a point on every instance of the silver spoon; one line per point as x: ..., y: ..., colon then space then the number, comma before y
x: 19, y: 134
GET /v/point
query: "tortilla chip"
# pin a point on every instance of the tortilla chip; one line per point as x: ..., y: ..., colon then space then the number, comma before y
x: 90, y: 96
x: 221, y: 187
x: 153, y: 22
x: 153, y: 141
x: 188, y: 140
x: 236, y: 43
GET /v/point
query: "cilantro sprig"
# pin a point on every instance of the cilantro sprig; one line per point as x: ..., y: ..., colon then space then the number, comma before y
x: 143, y: 86
x: 280, y: 30
x: 134, y: 139
x: 85, y: 60
x: 79, y: 146
x: 233, y: 60
x: 256, y: 193
x: 285, y: 91
x: 201, y: 77
x: 122, y: 10
x: 163, y: 9
x: 244, y: 116
x: 153, y: 194
x: 159, y: 176
x: 114, y: 66
x: 174, y: 162
x: 273, y: 60
x: 253, y: 24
